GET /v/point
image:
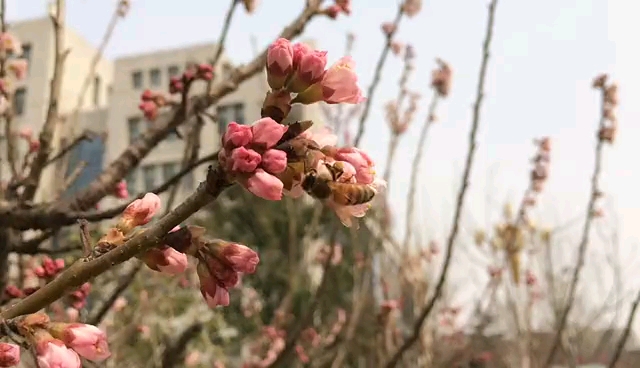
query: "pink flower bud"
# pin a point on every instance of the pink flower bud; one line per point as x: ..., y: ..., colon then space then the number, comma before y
x: 310, y: 70
x: 279, y: 62
x: 139, y: 212
x: 166, y: 260
x: 9, y: 355
x: 149, y: 110
x: 265, y: 185
x: 412, y: 7
x: 332, y: 11
x: 388, y: 28
x: 175, y: 85
x: 147, y: 95
x: 54, y: 354
x: 339, y: 85
x: 10, y: 43
x: 274, y: 161
x: 239, y: 257
x: 18, y: 67
x: 87, y: 340
x: 121, y: 191
x: 237, y: 135
x: 300, y: 50
x: 345, y: 6
x: 34, y: 145
x: 211, y: 291
x: 13, y: 291
x: 244, y: 160
x: 267, y: 132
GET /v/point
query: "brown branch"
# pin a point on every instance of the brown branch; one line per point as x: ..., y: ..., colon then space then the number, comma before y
x: 86, y: 269
x: 175, y: 353
x: 584, y: 241
x: 132, y: 156
x: 395, y: 359
x: 625, y: 335
x: 58, y: 217
x: 377, y: 75
x: 48, y: 129
x: 415, y: 169
x: 223, y: 37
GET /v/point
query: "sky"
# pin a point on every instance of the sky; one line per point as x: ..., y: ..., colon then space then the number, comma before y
x: 544, y: 56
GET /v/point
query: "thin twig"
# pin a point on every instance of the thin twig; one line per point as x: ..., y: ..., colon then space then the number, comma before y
x: 625, y: 335
x: 584, y: 241
x: 377, y: 75
x: 85, y: 237
x: 415, y: 169
x: 175, y: 353
x: 86, y: 136
x: 395, y: 359
x: 223, y: 37
x: 124, y: 283
x: 48, y: 129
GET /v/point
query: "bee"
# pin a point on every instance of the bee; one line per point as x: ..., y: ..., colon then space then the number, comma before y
x: 324, y: 185
x: 302, y: 154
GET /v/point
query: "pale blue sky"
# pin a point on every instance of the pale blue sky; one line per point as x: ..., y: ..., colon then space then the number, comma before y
x: 544, y: 56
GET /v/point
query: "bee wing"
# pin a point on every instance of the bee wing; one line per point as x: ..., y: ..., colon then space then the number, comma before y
x: 292, y: 173
x: 340, y: 193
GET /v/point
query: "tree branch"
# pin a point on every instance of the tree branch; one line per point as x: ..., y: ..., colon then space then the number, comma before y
x: 84, y: 270
x: 175, y: 352
x: 395, y: 359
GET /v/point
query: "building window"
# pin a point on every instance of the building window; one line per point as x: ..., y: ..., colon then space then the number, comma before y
x: 173, y: 71
x: 26, y: 54
x: 169, y: 170
x: 149, y: 174
x: 19, y: 100
x: 136, y: 79
x: 132, y: 181
x: 96, y: 90
x: 154, y: 76
x: 135, y: 128
x: 229, y: 113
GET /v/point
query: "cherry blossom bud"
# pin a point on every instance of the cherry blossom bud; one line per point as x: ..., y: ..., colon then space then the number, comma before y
x: 175, y: 85
x: 239, y: 257
x: 13, y: 291
x: 274, y: 161
x: 139, y: 212
x: 244, y: 160
x: 237, y: 135
x: 345, y: 6
x: 279, y: 62
x: 339, y: 85
x: 10, y: 43
x: 310, y: 71
x: 52, y: 353
x: 87, y: 340
x: 18, y: 67
x: 213, y: 293
x: 149, y: 110
x: 250, y: 5
x: 121, y: 191
x: 9, y: 355
x: 332, y: 11
x: 412, y: 7
x: 265, y: 185
x: 166, y: 260
x: 267, y: 132
x: 388, y: 28
x: 276, y: 105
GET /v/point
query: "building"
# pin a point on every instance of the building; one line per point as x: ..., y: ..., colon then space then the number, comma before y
x: 110, y: 108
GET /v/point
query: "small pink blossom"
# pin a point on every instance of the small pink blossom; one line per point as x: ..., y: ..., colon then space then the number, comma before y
x: 212, y: 292
x: 34, y: 145
x: 166, y: 260
x: 18, y: 67
x: 412, y: 7
x: 87, y: 340
x: 388, y: 28
x: 339, y: 85
x: 140, y: 212
x: 244, y: 160
x: 9, y: 355
x: 361, y: 161
x: 309, y: 67
x: 333, y: 11
x: 279, y: 62
x: 267, y: 132
x: 10, y: 43
x: 239, y: 257
x: 265, y: 185
x: 274, y: 161
x: 121, y: 191
x: 237, y: 135
x: 54, y: 354
x: 149, y: 110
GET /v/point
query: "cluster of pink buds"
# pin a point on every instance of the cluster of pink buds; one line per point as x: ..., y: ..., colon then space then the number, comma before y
x: 121, y: 191
x: 273, y: 337
x: 441, y: 78
x: 26, y: 134
x: 78, y: 298
x: 220, y: 263
x: 540, y: 170
x: 411, y: 7
x: 151, y: 102
x: 297, y: 68
x: 197, y: 72
x: 49, y: 268
x: 339, y: 6
x: 388, y: 28
x: 248, y: 154
x: 609, y: 127
x: 56, y: 344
